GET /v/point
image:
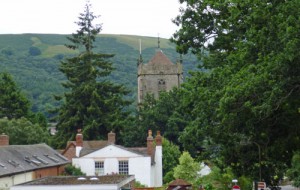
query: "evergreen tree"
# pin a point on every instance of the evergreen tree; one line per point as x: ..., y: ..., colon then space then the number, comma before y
x: 13, y: 104
x: 92, y: 103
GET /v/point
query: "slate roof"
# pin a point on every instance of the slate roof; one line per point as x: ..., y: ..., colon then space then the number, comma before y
x: 160, y: 59
x: 24, y: 158
x: 76, y: 180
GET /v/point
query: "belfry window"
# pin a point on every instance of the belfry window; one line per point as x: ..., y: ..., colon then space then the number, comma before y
x: 161, y: 85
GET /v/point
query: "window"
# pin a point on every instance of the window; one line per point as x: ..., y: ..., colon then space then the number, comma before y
x: 99, y: 168
x: 161, y: 85
x: 123, y: 167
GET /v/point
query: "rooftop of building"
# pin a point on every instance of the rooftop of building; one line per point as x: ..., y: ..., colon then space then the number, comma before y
x: 23, y: 158
x: 80, y: 180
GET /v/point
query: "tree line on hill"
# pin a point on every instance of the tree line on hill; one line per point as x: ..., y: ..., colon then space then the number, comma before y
x: 239, y: 112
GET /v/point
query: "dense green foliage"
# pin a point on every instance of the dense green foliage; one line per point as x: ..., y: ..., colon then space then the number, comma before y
x: 164, y: 114
x: 294, y: 172
x: 13, y: 103
x: 171, y: 153
x: 248, y: 96
x: 92, y: 102
x: 187, y: 168
x: 22, y: 131
x: 71, y: 170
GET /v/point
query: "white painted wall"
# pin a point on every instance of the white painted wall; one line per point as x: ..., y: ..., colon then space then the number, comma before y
x: 111, y: 165
x: 87, y: 165
x: 141, y: 169
x: 158, y: 175
x: 7, y: 182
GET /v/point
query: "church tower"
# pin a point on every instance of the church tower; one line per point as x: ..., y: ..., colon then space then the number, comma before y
x: 158, y: 75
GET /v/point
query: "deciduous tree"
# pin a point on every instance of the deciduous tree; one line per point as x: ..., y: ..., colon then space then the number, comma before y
x: 22, y: 131
x: 250, y: 85
x: 187, y: 168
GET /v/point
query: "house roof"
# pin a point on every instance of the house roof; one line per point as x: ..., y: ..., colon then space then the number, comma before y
x: 92, y: 144
x: 76, y: 180
x: 23, y: 158
x: 140, y: 150
x: 160, y: 59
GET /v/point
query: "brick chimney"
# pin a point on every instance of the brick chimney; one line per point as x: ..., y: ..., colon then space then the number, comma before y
x: 150, y: 143
x: 79, y: 142
x: 158, y: 139
x: 111, y: 138
x: 4, y: 140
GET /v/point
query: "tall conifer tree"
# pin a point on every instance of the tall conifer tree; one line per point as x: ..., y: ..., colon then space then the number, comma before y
x: 91, y: 103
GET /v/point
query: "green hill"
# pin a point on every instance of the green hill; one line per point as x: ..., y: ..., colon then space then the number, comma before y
x: 33, y: 60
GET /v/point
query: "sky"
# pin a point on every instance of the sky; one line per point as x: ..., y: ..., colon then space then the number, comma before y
x: 133, y: 17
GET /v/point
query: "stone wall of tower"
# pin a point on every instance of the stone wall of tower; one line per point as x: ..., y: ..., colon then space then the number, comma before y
x: 159, y: 76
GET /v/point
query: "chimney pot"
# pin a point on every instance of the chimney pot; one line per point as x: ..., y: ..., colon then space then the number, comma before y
x: 4, y: 140
x: 150, y: 143
x: 158, y: 139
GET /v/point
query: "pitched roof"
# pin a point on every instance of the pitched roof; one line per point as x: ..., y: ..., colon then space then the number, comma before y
x: 142, y: 151
x: 23, y: 158
x: 160, y: 59
x: 92, y: 144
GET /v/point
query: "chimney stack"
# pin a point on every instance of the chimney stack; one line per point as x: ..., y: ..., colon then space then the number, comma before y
x: 79, y: 138
x: 158, y: 139
x: 111, y: 138
x: 150, y: 143
x: 4, y: 140
x: 79, y: 142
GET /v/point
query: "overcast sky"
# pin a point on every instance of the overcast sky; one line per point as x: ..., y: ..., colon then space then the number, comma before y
x: 134, y: 17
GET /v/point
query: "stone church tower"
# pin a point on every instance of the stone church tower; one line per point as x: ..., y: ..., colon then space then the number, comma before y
x: 158, y: 75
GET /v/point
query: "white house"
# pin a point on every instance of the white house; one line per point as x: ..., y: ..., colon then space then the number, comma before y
x: 145, y: 163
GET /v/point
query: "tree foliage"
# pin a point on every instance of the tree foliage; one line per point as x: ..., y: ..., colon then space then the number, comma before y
x: 22, y: 131
x: 164, y: 114
x: 71, y: 170
x: 294, y: 172
x: 249, y: 87
x: 13, y: 103
x: 171, y: 154
x: 187, y: 168
x: 92, y: 102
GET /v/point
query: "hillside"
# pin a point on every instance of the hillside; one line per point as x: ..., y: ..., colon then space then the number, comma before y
x: 33, y: 60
